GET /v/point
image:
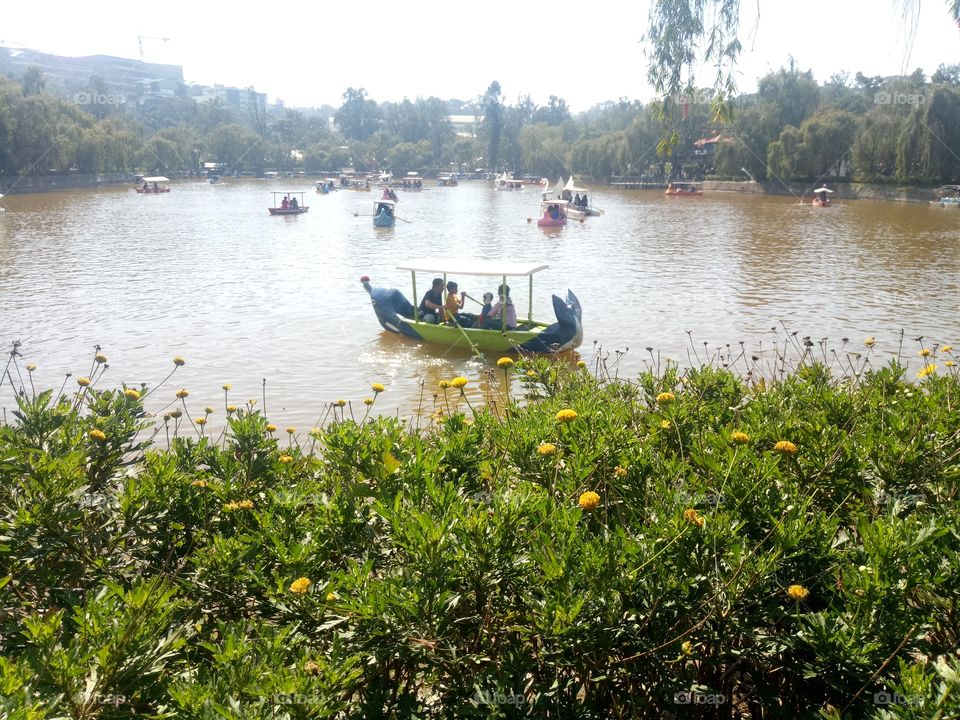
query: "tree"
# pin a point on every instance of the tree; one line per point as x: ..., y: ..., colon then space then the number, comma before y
x: 359, y: 117
x: 555, y: 112
x: 33, y: 81
x: 492, y: 122
x: 946, y: 75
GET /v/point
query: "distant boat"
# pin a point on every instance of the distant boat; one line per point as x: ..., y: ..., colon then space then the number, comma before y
x: 327, y: 185
x: 412, y: 181
x: 447, y: 180
x: 944, y: 200
x: 504, y: 181
x: 289, y: 205
x: 578, y: 198
x: 156, y: 187
x: 821, y: 198
x: 683, y: 189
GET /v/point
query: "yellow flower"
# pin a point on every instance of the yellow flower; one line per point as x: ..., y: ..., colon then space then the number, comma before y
x: 531, y: 373
x: 332, y: 597
x: 665, y: 424
x: 687, y: 647
x: 231, y: 409
x: 946, y: 348
x: 620, y: 471
x: 368, y: 401
x: 226, y: 386
x: 291, y: 430
x: 581, y: 364
x: 201, y: 421
x: 31, y: 367
x: 566, y: 415
x: 786, y: 447
x: 176, y: 414
x: 83, y: 382
x: 340, y: 403
x: 179, y: 361
x: 458, y: 382
x: 199, y: 483
x: 924, y: 353
x: 245, y: 504
x: 870, y: 341
x: 311, y: 668
x: 949, y: 363
x: 251, y: 402
x: 693, y: 517
x: 316, y: 432
x: 444, y: 384
x: 739, y: 437
x: 666, y: 397
x: 208, y: 410
x: 505, y: 362
x: 589, y: 500
x: 797, y: 592
x: 377, y: 388
x: 927, y: 370
x: 98, y: 435
x: 547, y: 449
x: 271, y: 427
x: 286, y: 459
x: 182, y: 393
x: 300, y: 586
x: 100, y: 358
x: 132, y: 394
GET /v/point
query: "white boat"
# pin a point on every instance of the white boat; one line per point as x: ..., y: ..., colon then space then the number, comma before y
x: 504, y: 181
x: 579, y: 199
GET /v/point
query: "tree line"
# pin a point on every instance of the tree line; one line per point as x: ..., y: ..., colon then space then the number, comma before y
x: 899, y: 129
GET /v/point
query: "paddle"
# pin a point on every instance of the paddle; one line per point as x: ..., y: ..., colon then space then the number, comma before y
x: 395, y: 216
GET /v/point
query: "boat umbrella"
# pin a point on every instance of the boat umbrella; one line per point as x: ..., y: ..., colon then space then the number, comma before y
x: 157, y: 179
x: 464, y: 266
x: 823, y: 189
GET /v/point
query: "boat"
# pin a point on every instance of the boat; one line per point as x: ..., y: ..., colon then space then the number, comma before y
x: 288, y: 206
x: 327, y: 185
x: 447, y: 180
x: 821, y: 197
x: 214, y: 179
x: 384, y: 213
x: 385, y: 178
x: 946, y: 200
x: 389, y: 194
x: 152, y: 185
x: 395, y: 313
x: 412, y: 181
x: 579, y: 207
x: 553, y: 213
x: 683, y: 189
x: 503, y: 181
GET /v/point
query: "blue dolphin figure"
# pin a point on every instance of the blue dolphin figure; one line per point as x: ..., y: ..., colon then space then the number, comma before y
x: 565, y: 334
x: 390, y: 305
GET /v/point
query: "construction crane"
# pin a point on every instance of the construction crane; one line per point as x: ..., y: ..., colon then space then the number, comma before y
x: 141, y: 38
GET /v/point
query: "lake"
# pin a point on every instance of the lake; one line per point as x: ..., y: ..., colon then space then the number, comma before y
x: 206, y: 273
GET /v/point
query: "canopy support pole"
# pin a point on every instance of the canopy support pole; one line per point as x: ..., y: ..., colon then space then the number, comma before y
x: 413, y: 276
x: 530, y: 308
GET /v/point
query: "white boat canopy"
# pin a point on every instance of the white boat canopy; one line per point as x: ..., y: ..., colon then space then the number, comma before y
x: 823, y: 189
x: 570, y: 187
x: 467, y: 266
x: 158, y: 178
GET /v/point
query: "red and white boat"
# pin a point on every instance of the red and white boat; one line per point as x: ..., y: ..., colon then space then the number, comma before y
x: 289, y: 205
x: 504, y: 182
x: 821, y: 197
x: 152, y: 185
x: 683, y: 189
x: 553, y: 213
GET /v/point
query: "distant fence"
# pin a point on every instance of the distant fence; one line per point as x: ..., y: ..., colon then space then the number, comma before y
x: 12, y: 184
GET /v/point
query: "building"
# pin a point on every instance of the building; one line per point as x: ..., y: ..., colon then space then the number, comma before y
x: 466, y: 126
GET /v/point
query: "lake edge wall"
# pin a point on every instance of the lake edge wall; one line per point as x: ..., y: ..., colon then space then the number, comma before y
x: 17, y: 185
x: 842, y: 191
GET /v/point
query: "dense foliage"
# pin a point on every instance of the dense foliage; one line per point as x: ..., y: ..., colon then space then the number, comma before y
x: 774, y: 548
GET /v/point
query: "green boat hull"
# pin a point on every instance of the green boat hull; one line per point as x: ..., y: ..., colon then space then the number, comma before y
x: 486, y: 340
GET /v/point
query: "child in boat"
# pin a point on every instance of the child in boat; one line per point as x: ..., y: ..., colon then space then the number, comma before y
x: 452, y: 306
x: 485, y: 311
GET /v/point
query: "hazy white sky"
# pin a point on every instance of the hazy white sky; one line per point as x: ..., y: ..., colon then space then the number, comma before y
x: 308, y: 53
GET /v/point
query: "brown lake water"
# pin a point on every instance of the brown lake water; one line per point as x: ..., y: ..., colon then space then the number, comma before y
x: 206, y: 273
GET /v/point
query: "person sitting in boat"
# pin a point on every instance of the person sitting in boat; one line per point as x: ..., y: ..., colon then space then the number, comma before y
x: 146, y: 186
x: 576, y: 200
x: 486, y: 309
x: 286, y: 203
x: 503, y: 307
x: 453, y: 305
x: 294, y: 204
x: 431, y: 307
x: 583, y: 201
x: 554, y: 212
x: 156, y: 188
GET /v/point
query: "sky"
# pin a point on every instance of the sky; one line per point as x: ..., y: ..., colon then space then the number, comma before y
x: 307, y: 54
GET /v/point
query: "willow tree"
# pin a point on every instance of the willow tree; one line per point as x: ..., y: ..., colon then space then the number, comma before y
x: 684, y: 32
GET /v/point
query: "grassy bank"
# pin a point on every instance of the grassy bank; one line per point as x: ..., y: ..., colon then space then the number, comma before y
x: 696, y: 544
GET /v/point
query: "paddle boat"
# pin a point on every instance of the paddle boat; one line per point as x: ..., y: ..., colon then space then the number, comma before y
x: 683, y: 189
x: 553, y: 213
x: 152, y: 185
x: 412, y: 182
x: 505, y: 182
x: 384, y: 213
x: 397, y: 315
x: 579, y: 207
x: 289, y: 205
x: 326, y: 186
x: 821, y: 197
x: 447, y: 180
x: 947, y: 200
x: 390, y: 194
